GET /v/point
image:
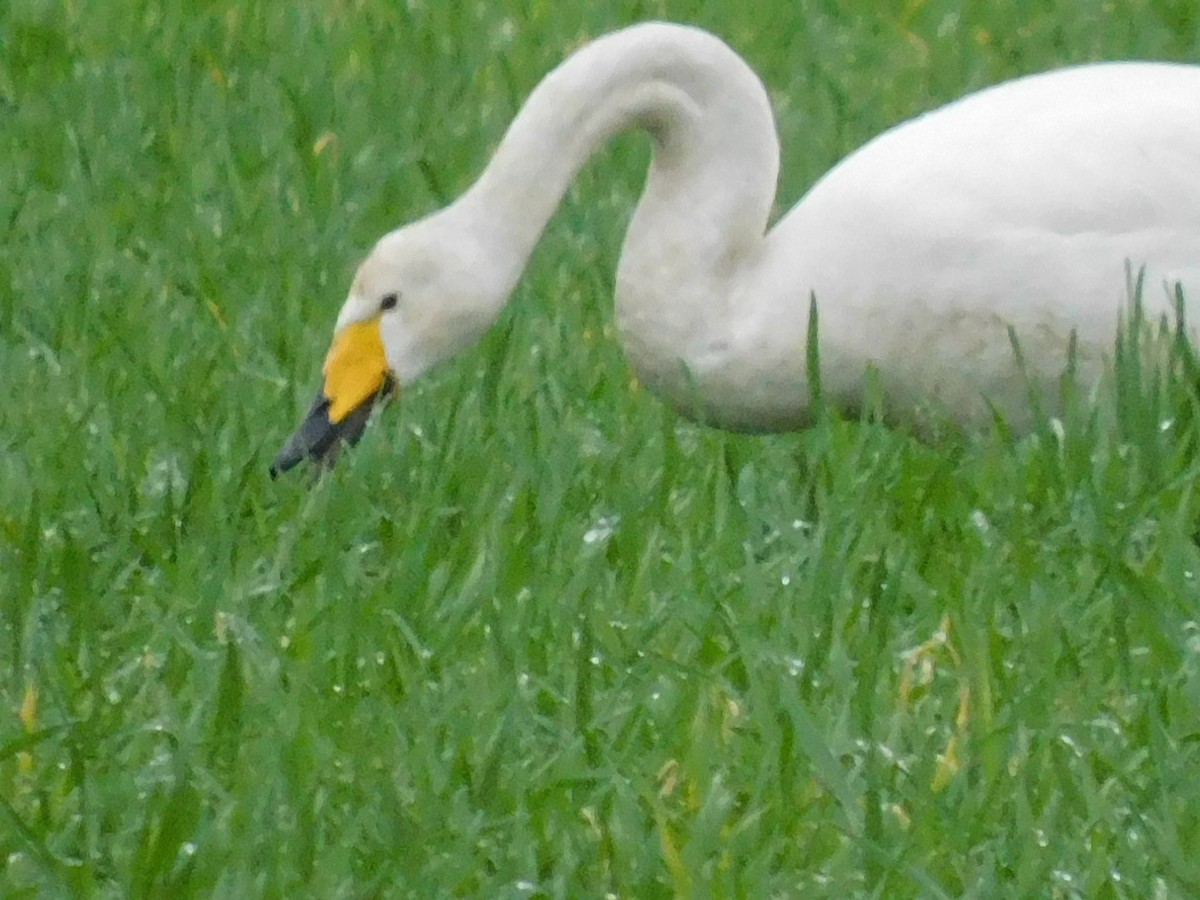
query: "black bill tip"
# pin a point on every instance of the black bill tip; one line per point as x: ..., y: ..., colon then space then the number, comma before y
x: 320, y: 439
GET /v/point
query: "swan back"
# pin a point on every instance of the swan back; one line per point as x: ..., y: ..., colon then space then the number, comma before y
x: 1022, y: 205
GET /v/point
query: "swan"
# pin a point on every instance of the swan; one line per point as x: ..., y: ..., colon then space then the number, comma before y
x: 1023, y: 206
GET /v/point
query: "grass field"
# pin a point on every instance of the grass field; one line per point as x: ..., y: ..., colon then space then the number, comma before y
x: 538, y: 637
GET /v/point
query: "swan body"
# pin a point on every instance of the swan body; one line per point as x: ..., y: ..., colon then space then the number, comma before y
x: 1022, y: 206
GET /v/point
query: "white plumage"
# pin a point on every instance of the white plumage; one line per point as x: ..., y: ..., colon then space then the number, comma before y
x: 1021, y: 205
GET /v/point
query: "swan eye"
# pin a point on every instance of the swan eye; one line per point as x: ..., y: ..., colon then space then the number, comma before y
x: 389, y: 301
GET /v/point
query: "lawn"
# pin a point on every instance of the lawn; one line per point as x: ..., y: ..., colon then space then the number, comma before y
x: 538, y: 636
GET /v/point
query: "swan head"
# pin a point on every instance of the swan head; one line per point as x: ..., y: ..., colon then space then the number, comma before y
x: 422, y: 294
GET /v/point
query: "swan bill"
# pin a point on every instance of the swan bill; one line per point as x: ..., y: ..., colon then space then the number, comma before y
x: 356, y: 380
x: 320, y: 439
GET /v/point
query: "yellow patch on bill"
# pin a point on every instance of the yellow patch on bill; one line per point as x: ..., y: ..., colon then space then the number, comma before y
x: 355, y: 368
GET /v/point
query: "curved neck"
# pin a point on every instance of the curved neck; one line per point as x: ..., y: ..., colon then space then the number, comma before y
x: 716, y: 153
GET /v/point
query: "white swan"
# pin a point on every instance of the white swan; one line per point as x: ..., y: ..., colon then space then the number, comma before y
x: 1021, y: 205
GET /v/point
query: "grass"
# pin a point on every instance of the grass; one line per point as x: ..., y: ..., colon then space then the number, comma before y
x: 538, y: 637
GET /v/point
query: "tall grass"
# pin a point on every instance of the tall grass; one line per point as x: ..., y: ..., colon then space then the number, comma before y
x: 537, y: 636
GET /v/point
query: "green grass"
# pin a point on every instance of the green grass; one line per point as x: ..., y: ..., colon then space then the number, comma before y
x: 538, y: 637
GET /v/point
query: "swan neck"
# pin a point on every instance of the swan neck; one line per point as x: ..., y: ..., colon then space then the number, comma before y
x: 715, y: 149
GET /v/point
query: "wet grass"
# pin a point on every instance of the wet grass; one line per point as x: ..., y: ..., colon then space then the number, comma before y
x: 537, y: 637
